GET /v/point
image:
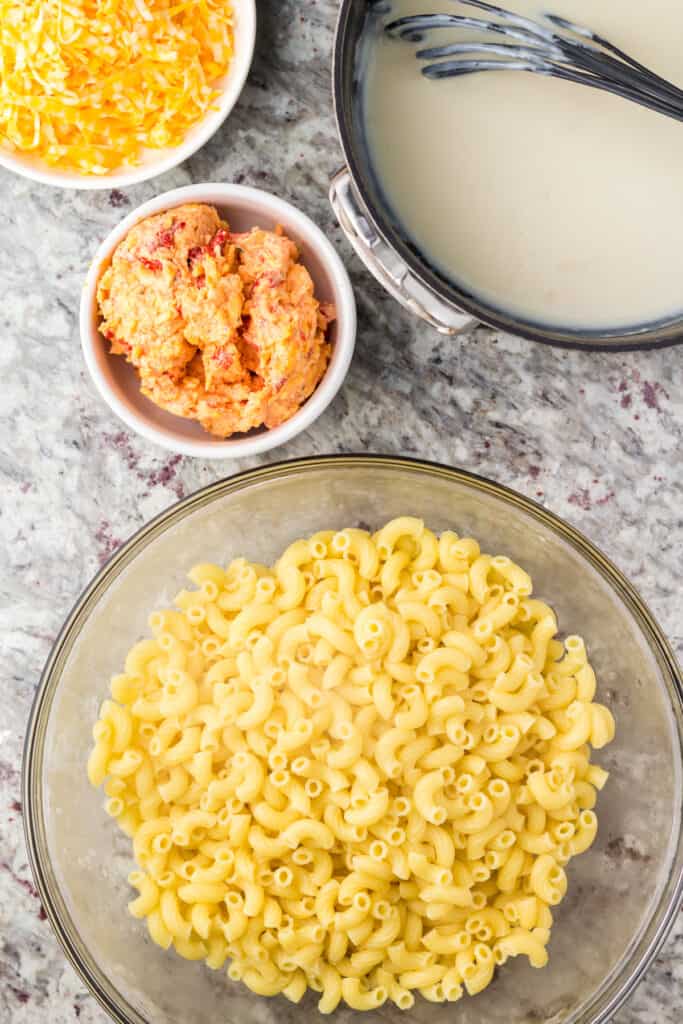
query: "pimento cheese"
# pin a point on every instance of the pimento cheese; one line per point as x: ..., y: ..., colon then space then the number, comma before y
x: 222, y: 328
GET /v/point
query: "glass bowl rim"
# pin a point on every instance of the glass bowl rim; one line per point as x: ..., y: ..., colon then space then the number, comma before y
x: 622, y: 980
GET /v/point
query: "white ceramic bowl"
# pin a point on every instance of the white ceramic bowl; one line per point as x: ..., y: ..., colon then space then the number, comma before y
x: 157, y: 161
x: 243, y: 208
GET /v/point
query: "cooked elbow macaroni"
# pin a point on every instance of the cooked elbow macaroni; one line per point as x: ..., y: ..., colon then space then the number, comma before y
x: 362, y: 771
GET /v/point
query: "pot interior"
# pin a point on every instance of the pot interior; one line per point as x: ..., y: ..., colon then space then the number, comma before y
x: 351, y: 46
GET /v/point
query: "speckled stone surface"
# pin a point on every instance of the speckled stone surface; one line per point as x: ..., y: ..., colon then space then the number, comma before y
x: 595, y: 438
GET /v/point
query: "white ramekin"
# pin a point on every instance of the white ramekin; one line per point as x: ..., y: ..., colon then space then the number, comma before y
x: 243, y: 208
x: 158, y: 161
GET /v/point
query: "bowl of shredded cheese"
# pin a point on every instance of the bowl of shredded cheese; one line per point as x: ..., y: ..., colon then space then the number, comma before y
x: 110, y: 93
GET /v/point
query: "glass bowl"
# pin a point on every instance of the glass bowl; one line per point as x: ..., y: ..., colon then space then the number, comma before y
x: 624, y: 892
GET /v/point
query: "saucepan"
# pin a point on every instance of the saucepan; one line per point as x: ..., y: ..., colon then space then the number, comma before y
x: 379, y: 241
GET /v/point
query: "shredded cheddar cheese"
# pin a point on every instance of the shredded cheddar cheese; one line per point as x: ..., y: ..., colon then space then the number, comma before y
x: 87, y: 85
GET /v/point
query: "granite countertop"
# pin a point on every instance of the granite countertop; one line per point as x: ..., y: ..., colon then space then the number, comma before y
x: 596, y: 438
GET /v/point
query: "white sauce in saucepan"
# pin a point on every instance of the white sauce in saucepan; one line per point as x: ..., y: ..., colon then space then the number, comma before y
x: 549, y: 200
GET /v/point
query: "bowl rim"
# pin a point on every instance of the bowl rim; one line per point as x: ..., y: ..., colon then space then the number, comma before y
x: 198, y: 135
x: 617, y: 986
x: 342, y: 350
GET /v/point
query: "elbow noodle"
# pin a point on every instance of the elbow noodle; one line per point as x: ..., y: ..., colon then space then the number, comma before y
x: 580, y: 727
x: 597, y: 776
x: 423, y: 977
x: 158, y: 931
x: 385, y: 934
x: 190, y: 949
x: 262, y: 705
x: 332, y: 990
x: 97, y: 763
x: 180, y: 695
x: 585, y: 683
x: 602, y: 726
x: 521, y: 942
x: 202, y: 892
x: 292, y: 587
x: 405, y: 526
x: 121, y: 722
x: 349, y: 753
x: 415, y: 715
x: 548, y: 798
x: 148, y: 899
x: 444, y: 657
x: 362, y: 999
x: 427, y: 790
x: 340, y: 828
x: 513, y: 574
x: 387, y: 747
x: 140, y: 655
x: 548, y: 881
x: 453, y: 895
x: 390, y: 572
x: 427, y: 618
x: 428, y: 551
x: 362, y: 771
x: 311, y: 831
x: 372, y: 809
x: 479, y: 571
x: 172, y: 917
x: 585, y: 833
x: 477, y: 976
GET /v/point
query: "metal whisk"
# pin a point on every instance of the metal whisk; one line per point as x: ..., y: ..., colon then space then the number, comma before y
x: 565, y: 50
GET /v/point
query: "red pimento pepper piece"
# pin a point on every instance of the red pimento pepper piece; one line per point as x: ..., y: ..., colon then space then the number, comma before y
x: 272, y: 278
x: 154, y: 265
x: 194, y: 253
x: 166, y: 237
x: 223, y: 358
x: 218, y: 241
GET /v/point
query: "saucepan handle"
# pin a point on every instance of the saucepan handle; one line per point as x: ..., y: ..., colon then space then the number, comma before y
x: 385, y: 265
